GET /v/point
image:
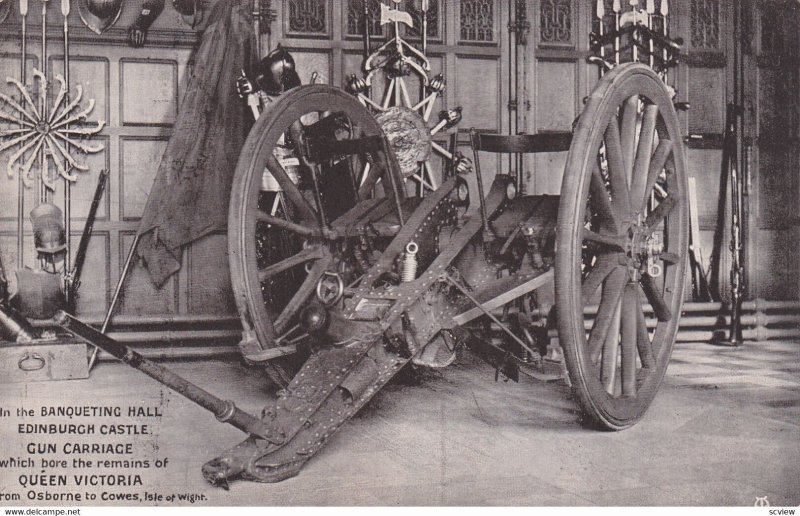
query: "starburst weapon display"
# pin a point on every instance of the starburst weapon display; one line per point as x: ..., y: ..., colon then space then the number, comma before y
x: 405, y: 120
x: 35, y: 131
x: 47, y: 132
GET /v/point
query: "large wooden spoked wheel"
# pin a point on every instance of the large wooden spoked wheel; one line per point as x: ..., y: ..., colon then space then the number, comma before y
x: 622, y: 243
x: 278, y: 244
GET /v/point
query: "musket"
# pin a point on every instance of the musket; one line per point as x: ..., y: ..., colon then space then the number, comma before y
x: 3, y: 284
x: 736, y: 245
x: 80, y: 256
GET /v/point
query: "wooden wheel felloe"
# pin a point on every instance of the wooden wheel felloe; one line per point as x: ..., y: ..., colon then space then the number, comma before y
x: 283, y: 200
x: 622, y: 244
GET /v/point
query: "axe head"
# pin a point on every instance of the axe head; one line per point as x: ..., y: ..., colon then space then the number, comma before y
x: 389, y: 15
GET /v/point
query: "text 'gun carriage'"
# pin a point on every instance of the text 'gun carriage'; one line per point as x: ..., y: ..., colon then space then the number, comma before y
x: 342, y: 278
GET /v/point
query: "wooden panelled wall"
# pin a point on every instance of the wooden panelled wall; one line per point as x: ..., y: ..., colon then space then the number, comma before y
x: 138, y: 92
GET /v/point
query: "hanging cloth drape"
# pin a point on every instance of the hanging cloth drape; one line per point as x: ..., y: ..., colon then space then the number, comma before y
x: 190, y: 194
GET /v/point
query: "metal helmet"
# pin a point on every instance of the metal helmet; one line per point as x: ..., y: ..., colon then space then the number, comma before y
x: 99, y: 15
x: 49, y: 235
x: 192, y: 11
x: 185, y: 7
x: 277, y: 72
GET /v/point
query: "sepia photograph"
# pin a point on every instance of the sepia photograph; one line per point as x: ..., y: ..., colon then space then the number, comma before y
x: 399, y: 253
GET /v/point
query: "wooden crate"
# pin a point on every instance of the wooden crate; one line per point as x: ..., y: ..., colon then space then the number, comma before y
x: 43, y: 360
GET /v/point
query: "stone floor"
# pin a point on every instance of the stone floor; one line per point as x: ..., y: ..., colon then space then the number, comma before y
x: 723, y: 430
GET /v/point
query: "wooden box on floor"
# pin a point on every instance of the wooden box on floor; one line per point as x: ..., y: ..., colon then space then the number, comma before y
x: 43, y: 360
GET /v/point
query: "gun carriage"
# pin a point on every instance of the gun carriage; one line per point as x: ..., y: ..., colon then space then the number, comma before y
x: 342, y: 278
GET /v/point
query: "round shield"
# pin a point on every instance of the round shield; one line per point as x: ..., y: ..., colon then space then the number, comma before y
x: 409, y: 136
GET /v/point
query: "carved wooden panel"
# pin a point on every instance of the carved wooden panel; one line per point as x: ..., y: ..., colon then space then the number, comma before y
x: 310, y: 62
x: 779, y: 115
x: 92, y: 75
x: 209, y: 276
x: 779, y: 25
x: 82, y: 191
x: 354, y: 19
x: 556, y: 23
x: 705, y: 23
x: 436, y: 19
x: 477, y: 21
x: 149, y: 92
x: 94, y: 289
x: 778, y: 184
x: 476, y: 90
x: 707, y: 114
x: 308, y: 18
x: 8, y: 253
x: 139, y: 161
x: 555, y: 96
x: 776, y: 275
x: 139, y: 296
x: 705, y: 165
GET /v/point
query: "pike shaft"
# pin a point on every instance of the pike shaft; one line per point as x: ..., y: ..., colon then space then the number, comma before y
x: 67, y: 183
x: 20, y: 184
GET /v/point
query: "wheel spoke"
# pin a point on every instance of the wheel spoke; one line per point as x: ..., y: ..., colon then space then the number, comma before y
x: 307, y: 254
x: 287, y: 225
x: 660, y: 213
x: 604, y: 265
x: 643, y: 343
x: 616, y: 171
x: 304, y: 209
x: 629, y: 115
x: 644, y: 153
x: 630, y: 305
x: 670, y: 258
x: 657, y: 164
x: 602, y: 203
x: 612, y: 291
x: 654, y: 297
x: 613, y: 242
x: 608, y: 363
x: 298, y: 300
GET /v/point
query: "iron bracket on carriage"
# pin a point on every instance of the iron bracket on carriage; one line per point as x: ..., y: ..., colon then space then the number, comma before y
x: 342, y: 278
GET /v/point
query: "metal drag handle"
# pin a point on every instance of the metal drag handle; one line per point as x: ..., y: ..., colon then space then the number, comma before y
x: 224, y: 410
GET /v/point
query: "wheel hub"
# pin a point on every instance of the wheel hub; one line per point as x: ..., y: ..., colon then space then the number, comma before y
x: 643, y: 250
